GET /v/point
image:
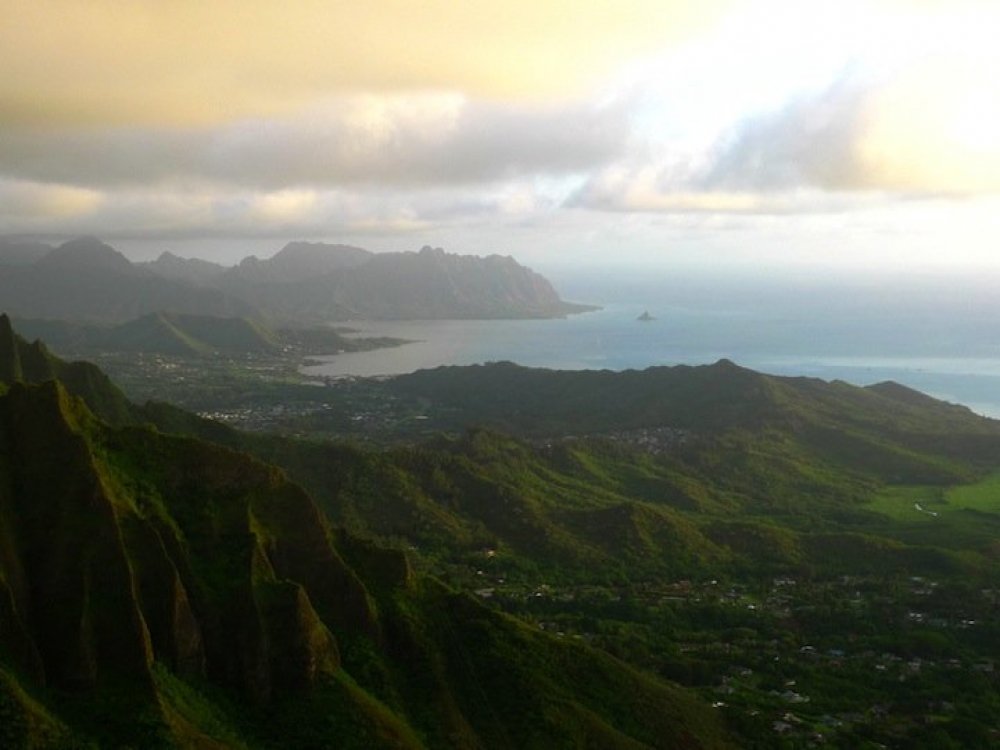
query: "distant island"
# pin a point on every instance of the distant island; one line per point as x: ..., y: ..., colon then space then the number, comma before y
x: 87, y: 280
x: 645, y: 317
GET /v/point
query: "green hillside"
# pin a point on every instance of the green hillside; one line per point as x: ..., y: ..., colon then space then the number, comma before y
x: 159, y: 591
x: 669, y: 471
x: 817, y: 561
x: 191, y: 334
x: 194, y: 337
x: 722, y: 396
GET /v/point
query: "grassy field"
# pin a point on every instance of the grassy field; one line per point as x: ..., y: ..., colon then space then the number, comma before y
x: 983, y: 496
x: 961, y: 516
x: 904, y: 503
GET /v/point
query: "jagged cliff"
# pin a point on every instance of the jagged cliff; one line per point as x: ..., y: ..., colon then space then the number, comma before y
x: 87, y: 280
x: 121, y: 548
x: 317, y: 282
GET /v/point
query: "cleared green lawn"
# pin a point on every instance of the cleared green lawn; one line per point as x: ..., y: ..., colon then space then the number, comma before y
x: 982, y: 496
x: 900, y: 503
x: 963, y: 517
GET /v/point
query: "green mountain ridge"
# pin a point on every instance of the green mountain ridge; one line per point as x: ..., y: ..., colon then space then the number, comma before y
x: 191, y: 336
x: 536, y: 401
x: 704, y: 466
x: 763, y: 446
x: 159, y: 591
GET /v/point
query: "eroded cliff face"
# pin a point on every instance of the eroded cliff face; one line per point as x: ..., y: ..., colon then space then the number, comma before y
x: 435, y: 284
x: 67, y: 570
x: 121, y: 548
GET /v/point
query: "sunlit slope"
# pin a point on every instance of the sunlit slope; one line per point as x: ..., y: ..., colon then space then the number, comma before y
x: 735, y: 454
x: 665, y: 471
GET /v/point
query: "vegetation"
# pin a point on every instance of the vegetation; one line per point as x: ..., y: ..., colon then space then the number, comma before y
x: 779, y: 562
x: 161, y: 591
x: 769, y: 556
x: 195, y: 337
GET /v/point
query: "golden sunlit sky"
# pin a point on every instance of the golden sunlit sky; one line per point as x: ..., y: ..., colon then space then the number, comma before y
x: 864, y: 133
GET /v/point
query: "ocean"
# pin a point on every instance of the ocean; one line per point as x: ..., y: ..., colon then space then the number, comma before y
x: 937, y: 336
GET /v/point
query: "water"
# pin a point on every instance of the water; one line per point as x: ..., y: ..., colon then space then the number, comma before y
x: 942, y: 344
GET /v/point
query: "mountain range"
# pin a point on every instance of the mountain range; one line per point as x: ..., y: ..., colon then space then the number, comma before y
x: 88, y: 280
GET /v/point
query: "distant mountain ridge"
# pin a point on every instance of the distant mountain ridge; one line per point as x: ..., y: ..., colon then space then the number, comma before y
x: 429, y: 284
x: 193, y: 270
x: 296, y: 261
x: 87, y: 280
x: 15, y: 252
x: 315, y: 281
x: 88, y: 255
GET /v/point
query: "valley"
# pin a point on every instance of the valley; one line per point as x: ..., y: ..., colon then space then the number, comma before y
x: 767, y: 544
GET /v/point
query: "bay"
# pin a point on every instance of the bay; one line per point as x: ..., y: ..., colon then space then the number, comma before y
x: 947, y: 355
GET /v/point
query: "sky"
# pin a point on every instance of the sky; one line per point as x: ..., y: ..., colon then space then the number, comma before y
x: 712, y: 134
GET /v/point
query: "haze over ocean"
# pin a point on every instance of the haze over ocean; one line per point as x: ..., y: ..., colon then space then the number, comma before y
x: 939, y: 338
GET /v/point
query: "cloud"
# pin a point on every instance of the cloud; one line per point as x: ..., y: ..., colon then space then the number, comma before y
x: 406, y: 139
x: 643, y: 190
x: 813, y: 142
x: 235, y: 119
x: 929, y: 130
x: 36, y: 201
x: 183, y: 62
x: 142, y: 212
x: 926, y: 130
x: 284, y: 207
